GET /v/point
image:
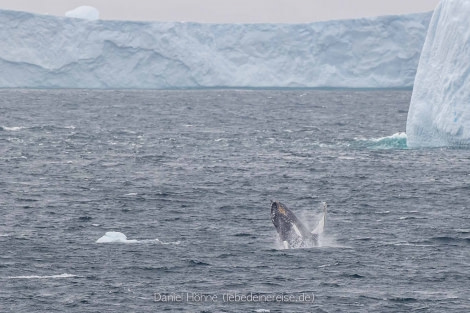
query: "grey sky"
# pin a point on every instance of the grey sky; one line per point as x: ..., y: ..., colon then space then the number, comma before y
x: 227, y: 11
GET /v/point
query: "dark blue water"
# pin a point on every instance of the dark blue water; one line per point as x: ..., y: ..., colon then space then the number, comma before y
x: 197, y: 170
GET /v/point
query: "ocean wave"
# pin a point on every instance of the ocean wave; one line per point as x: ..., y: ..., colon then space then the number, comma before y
x: 403, y: 299
x: 450, y: 240
x: 198, y: 263
x: 403, y: 218
x: 65, y: 275
x: 168, y: 243
x: 433, y: 241
x: 43, y: 127
x: 410, y: 244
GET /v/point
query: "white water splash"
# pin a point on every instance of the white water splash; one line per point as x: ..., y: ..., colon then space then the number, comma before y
x: 396, y: 136
x: 395, y: 141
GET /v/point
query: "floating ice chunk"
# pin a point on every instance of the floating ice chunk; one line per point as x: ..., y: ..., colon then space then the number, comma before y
x: 439, y: 112
x: 84, y: 12
x: 113, y: 236
x: 117, y: 237
x: 13, y: 128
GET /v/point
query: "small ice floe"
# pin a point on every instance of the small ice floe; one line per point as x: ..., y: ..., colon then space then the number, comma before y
x: 115, y: 237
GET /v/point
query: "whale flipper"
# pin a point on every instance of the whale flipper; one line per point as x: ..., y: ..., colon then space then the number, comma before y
x: 321, y: 224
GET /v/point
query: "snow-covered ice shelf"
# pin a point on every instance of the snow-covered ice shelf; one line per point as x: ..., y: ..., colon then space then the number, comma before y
x: 40, y: 51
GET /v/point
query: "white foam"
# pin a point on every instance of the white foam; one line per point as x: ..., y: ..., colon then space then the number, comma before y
x: 262, y: 311
x: 168, y: 243
x: 328, y: 265
x: 65, y: 275
x: 396, y: 136
x: 395, y: 141
x: 409, y: 244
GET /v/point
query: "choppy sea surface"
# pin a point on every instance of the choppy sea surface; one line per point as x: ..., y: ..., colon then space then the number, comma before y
x: 188, y: 177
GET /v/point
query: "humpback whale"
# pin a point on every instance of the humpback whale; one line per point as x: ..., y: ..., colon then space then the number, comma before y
x: 292, y: 233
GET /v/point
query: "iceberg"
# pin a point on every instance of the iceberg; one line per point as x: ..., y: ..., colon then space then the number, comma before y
x: 84, y: 12
x: 439, y: 113
x: 39, y: 51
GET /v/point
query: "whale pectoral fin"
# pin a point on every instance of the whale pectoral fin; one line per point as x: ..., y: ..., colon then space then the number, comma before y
x: 286, y: 244
x: 296, y: 229
x: 321, y: 224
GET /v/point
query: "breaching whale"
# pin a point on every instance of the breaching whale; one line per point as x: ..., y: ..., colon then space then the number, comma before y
x: 292, y: 233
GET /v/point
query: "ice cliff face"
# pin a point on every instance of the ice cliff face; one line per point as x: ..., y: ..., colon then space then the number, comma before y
x: 439, y: 112
x: 53, y: 52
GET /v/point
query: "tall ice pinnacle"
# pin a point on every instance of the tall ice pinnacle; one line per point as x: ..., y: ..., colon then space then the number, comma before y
x: 439, y: 112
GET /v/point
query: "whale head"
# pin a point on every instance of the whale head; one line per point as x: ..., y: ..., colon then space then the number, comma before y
x: 291, y: 231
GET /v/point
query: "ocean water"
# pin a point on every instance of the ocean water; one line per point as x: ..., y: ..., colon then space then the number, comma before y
x: 188, y: 177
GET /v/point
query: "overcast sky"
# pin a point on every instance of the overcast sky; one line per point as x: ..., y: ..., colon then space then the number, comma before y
x: 227, y: 11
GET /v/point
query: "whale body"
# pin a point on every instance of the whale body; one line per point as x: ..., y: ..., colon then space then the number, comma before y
x: 292, y: 232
